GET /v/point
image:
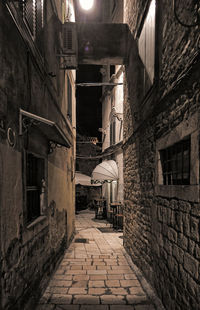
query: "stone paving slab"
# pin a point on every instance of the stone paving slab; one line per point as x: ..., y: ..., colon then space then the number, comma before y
x: 97, y: 275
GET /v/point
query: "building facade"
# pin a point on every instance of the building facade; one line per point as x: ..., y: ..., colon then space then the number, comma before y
x: 112, y: 112
x: 37, y: 147
x: 161, y: 148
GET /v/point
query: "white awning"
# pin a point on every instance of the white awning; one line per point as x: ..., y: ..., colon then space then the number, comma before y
x: 105, y: 171
x: 84, y: 179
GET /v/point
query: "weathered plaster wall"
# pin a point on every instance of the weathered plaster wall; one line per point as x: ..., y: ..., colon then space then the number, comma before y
x: 161, y: 234
x: 29, y: 253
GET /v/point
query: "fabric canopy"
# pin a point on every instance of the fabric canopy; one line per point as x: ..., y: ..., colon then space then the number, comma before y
x: 83, y: 179
x: 106, y: 171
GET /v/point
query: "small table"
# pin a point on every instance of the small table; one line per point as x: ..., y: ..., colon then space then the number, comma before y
x: 116, y: 214
x: 99, y: 208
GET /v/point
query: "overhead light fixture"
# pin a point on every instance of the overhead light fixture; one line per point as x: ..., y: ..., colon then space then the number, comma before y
x: 86, y: 4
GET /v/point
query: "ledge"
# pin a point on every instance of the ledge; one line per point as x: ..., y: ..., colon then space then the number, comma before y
x: 184, y: 192
x: 38, y: 220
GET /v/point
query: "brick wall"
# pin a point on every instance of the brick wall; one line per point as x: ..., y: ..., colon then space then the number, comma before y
x: 161, y: 234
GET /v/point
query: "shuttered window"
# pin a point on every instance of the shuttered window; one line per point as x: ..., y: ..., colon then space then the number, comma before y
x: 33, y: 15
x: 146, y: 42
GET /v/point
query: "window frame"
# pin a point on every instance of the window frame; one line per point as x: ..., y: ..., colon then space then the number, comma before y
x: 29, y: 222
x: 147, y: 81
x: 175, y: 162
x: 185, y: 192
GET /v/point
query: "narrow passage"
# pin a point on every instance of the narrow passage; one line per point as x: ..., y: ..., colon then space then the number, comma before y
x: 96, y: 273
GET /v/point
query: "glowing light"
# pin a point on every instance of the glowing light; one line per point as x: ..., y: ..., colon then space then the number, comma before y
x: 86, y: 4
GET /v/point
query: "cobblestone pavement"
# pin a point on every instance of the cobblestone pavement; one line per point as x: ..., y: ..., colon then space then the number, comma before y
x: 97, y: 274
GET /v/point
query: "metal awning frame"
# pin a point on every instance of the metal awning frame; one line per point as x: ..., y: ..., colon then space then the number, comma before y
x: 34, y: 119
x: 101, y: 182
x: 108, y: 172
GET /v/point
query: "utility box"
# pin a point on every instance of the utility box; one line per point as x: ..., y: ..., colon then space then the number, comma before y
x: 69, y: 46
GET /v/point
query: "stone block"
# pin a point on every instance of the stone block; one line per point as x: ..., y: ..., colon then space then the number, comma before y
x: 60, y: 283
x: 178, y: 253
x: 80, y: 277
x: 112, y: 300
x: 98, y: 277
x: 77, y: 291
x: 86, y: 300
x: 168, y: 246
x: 130, y: 277
x: 97, y: 307
x: 73, y: 272
x: 98, y: 283
x: 129, y: 283
x: 136, y: 299
x: 118, y: 291
x: 172, y: 235
x: 61, y: 299
x: 65, y: 307
x: 121, y: 307
x: 186, y: 224
x: 82, y: 283
x: 137, y: 291
x: 97, y: 272
x: 115, y: 276
x: 195, y: 229
x: 191, y: 265
x: 191, y: 247
x: 145, y: 307
x: 112, y: 283
x: 182, y: 241
x: 97, y: 291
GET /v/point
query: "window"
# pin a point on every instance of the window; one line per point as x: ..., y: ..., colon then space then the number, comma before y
x: 35, y: 184
x: 112, y: 131
x: 69, y: 99
x: 33, y: 16
x: 146, y: 46
x: 175, y: 161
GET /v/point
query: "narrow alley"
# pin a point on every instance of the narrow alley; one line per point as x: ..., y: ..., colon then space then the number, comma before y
x: 97, y: 273
x: 100, y: 155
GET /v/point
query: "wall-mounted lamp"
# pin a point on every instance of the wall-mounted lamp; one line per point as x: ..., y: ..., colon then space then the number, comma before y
x: 86, y: 4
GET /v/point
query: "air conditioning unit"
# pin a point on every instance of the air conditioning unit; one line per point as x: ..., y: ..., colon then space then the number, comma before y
x: 69, y: 46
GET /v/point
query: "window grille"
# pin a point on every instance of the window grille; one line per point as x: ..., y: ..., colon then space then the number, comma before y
x: 34, y: 177
x: 175, y: 161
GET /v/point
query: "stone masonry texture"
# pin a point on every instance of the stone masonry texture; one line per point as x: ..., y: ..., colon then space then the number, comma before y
x: 97, y: 274
x: 161, y: 234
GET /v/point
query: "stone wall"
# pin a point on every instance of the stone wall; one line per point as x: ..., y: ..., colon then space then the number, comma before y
x: 161, y: 234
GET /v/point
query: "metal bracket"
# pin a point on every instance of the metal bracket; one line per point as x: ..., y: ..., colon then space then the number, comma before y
x: 25, y: 123
x: 53, y: 146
